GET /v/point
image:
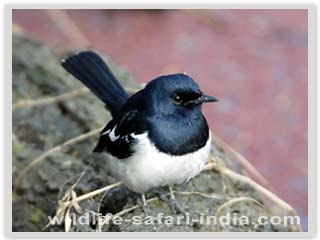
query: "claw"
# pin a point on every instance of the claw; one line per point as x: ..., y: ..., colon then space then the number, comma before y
x: 174, y: 205
x: 144, y: 205
x: 172, y: 202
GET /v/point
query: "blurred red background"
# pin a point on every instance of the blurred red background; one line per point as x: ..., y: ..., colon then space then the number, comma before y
x: 254, y: 61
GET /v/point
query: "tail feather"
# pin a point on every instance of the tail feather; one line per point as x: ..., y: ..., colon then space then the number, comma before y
x: 93, y: 72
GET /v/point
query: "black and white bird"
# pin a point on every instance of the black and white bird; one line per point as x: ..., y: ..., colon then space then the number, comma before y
x: 158, y: 136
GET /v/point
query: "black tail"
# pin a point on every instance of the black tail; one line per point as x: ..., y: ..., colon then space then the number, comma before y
x: 93, y: 72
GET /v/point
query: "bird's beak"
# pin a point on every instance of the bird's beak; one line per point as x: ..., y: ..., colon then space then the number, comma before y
x: 202, y: 99
x: 206, y: 98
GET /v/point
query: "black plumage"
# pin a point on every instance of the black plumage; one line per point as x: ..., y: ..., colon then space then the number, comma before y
x: 93, y: 72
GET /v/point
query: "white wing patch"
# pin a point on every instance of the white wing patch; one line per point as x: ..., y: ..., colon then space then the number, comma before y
x: 111, y: 133
x: 106, y: 132
x: 113, y: 137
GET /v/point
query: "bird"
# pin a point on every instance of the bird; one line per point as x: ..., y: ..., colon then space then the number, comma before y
x: 157, y: 137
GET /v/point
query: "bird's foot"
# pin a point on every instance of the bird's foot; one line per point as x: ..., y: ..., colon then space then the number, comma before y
x: 176, y: 207
x: 172, y: 202
x: 144, y: 205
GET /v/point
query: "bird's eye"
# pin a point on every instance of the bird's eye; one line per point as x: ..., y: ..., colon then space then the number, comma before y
x: 177, y: 99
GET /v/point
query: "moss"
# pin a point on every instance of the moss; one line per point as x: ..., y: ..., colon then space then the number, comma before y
x: 15, y: 96
x: 18, y: 147
x: 37, y: 215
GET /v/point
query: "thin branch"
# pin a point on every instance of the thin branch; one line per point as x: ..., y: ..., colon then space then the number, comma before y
x: 50, y: 152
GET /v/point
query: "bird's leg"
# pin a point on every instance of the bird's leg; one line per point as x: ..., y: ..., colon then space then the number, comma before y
x: 174, y: 205
x: 162, y: 196
x: 144, y: 205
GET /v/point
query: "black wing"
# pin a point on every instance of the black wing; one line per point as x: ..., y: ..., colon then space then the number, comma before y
x: 117, y: 138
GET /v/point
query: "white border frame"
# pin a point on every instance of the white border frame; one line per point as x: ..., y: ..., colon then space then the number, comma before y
x: 311, y: 119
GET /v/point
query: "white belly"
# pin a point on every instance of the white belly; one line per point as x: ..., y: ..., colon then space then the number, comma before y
x: 148, y: 168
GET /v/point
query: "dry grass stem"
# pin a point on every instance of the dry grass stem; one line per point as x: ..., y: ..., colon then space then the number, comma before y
x: 240, y: 178
x: 29, y: 103
x: 99, y: 224
x: 233, y: 201
x: 236, y: 200
x: 67, y: 221
x: 206, y: 195
x: 209, y: 166
x: 94, y: 193
x: 244, y: 162
x: 130, y: 209
x: 43, y: 156
x: 67, y: 202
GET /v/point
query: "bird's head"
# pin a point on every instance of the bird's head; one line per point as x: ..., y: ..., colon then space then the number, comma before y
x: 176, y: 94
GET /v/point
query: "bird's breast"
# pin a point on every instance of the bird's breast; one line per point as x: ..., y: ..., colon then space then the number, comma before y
x: 148, y: 167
